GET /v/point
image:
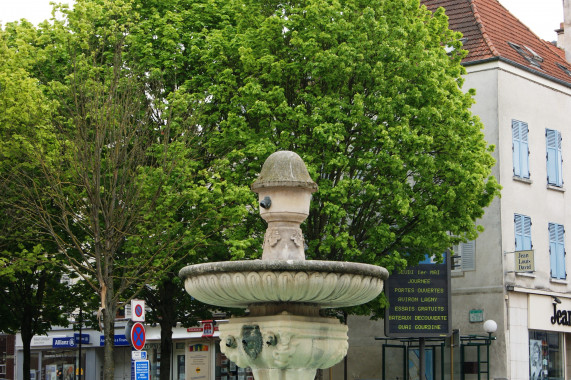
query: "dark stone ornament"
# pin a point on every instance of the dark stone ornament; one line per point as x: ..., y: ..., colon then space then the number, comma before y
x: 252, y: 341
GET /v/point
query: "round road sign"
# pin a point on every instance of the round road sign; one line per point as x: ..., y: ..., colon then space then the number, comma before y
x: 138, y: 336
x: 139, y: 310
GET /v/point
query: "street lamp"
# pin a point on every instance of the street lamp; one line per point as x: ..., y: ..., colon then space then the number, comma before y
x: 490, y: 326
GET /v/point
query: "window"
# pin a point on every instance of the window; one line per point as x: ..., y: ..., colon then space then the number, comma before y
x: 546, y: 355
x: 467, y: 253
x: 526, y: 52
x: 520, y: 149
x: 557, y: 250
x: 554, y: 160
x: 522, y: 232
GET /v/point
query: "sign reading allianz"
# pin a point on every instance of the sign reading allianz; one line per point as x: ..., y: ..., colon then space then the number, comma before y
x: 64, y: 342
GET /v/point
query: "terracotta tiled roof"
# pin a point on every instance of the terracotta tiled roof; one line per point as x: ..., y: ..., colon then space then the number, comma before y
x: 489, y: 29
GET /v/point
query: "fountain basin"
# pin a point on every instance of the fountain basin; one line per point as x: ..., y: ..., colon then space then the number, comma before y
x: 284, y: 346
x: 326, y: 284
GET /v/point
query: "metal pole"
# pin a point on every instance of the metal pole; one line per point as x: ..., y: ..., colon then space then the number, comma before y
x: 80, y: 341
x: 422, y: 366
x: 452, y: 358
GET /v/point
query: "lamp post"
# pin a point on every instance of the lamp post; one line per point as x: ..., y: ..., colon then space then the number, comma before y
x: 490, y: 326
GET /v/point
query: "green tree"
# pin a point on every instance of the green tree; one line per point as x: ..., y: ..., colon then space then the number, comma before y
x: 121, y: 187
x: 32, y: 297
x: 364, y: 91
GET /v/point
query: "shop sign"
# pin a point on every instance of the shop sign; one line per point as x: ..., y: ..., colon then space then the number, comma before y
x: 207, y: 329
x: 120, y: 341
x: 43, y: 340
x: 524, y: 261
x: 561, y: 317
x: 84, y: 338
x: 65, y: 342
x: 198, y: 347
x: 419, y: 301
x: 199, y: 329
x: 198, y: 367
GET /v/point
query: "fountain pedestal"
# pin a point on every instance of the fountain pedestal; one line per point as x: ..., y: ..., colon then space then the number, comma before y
x: 284, y: 337
x: 284, y: 346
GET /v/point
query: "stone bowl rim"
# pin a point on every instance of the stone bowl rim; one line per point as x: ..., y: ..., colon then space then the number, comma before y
x: 336, y: 267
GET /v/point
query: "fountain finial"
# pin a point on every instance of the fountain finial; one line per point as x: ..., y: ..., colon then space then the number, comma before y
x: 284, y: 189
x: 284, y: 169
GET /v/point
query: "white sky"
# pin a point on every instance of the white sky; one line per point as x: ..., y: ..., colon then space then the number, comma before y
x: 541, y: 16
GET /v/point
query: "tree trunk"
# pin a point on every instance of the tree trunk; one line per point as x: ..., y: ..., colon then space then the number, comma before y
x: 168, y: 320
x: 109, y: 333
x: 26, y: 342
x: 166, y: 350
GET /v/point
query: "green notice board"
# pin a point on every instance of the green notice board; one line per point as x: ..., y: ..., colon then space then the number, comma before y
x: 419, y: 302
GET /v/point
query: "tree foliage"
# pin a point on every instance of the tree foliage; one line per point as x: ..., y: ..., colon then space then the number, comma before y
x: 32, y: 296
x: 364, y: 91
x: 164, y: 111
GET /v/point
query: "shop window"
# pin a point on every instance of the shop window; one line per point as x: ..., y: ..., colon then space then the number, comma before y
x: 180, y: 366
x: 545, y: 355
x: 60, y: 364
x: 227, y: 370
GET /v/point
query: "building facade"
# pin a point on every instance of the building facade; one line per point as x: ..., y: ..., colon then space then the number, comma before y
x: 516, y: 272
x: 195, y: 355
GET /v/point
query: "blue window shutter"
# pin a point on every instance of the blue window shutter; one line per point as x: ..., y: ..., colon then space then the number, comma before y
x: 559, y: 160
x: 524, y: 151
x: 526, y: 233
x: 557, y: 250
x: 553, y: 249
x: 522, y: 232
x: 554, y: 160
x: 518, y: 222
x: 520, y: 148
x: 516, y: 148
x: 560, y: 252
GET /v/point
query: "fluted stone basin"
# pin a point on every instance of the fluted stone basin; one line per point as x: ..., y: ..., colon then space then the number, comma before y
x: 327, y: 284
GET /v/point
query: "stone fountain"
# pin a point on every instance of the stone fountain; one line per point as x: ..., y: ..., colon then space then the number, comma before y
x: 284, y: 336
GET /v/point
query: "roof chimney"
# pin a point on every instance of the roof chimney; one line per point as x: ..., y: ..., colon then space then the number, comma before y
x: 560, y: 35
x: 567, y: 29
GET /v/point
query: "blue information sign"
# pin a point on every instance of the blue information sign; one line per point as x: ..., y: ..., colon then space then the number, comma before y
x: 141, y: 370
x: 65, y: 342
x: 120, y: 340
x: 84, y: 338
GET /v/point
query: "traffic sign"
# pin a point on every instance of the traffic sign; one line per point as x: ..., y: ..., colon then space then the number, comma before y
x: 138, y: 336
x: 142, y: 370
x: 139, y: 355
x: 138, y: 310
